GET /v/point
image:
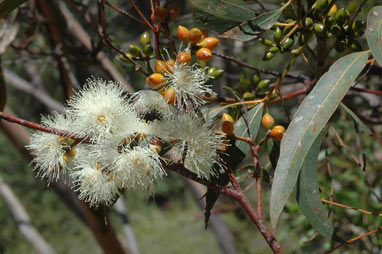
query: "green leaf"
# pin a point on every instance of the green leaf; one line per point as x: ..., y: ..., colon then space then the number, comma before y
x: 374, y: 32
x: 220, y: 15
x: 6, y: 6
x: 254, y: 117
x: 310, y: 118
x: 247, y: 31
x: 273, y: 151
x: 356, y: 118
x: 308, y: 193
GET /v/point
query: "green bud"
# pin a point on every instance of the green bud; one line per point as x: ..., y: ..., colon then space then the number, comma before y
x: 330, y: 21
x: 134, y: 50
x: 263, y: 84
x: 354, y: 45
x: 268, y: 55
x: 266, y: 42
x: 145, y: 38
x: 339, y: 46
x: 342, y: 16
x: 247, y: 96
x: 219, y: 73
x: 319, y: 29
x: 308, y: 22
x: 148, y: 50
x: 336, y: 30
x: 274, y: 49
x: 303, y: 39
x: 288, y: 43
x: 215, y: 72
x: 358, y: 26
x: 321, y: 5
x: 274, y: 96
x: 124, y: 59
x: 277, y: 35
x: 255, y: 79
x: 287, y: 29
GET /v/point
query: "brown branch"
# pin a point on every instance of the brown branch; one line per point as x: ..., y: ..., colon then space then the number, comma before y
x: 124, y: 12
x: 107, y: 40
x: 355, y: 239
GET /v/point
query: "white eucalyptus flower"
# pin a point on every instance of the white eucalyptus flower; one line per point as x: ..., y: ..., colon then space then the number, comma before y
x: 189, y: 83
x: 52, y: 153
x: 98, y: 108
x: 198, y: 144
x: 137, y: 169
x: 94, y: 183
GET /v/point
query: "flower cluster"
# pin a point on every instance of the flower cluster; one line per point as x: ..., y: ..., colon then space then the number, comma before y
x: 123, y: 135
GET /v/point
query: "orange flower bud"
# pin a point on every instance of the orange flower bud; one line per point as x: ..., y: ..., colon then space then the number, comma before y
x: 170, y: 96
x: 183, y: 33
x: 170, y: 63
x: 184, y: 58
x: 277, y: 132
x: 209, y: 42
x: 267, y: 121
x: 227, y: 124
x: 195, y: 35
x: 160, y: 66
x: 204, y: 54
x: 155, y: 80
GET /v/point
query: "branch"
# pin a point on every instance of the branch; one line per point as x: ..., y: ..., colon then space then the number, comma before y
x: 23, y: 221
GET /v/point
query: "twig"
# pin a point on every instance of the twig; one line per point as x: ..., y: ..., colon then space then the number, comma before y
x: 123, y: 12
x: 355, y: 239
x: 106, y: 38
x: 352, y: 208
x: 42, y: 128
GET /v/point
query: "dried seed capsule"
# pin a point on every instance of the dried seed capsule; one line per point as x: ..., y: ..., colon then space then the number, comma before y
x: 267, y: 121
x: 160, y: 13
x: 227, y: 124
x: 174, y: 10
x: 277, y: 132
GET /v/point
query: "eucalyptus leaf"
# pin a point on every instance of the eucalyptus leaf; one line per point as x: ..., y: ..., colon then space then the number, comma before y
x: 311, y: 117
x: 374, y: 32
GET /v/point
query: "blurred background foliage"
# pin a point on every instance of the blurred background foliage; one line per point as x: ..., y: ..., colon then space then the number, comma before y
x: 172, y: 222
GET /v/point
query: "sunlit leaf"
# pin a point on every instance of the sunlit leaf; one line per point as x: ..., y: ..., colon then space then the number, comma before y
x: 374, y: 32
x: 310, y: 118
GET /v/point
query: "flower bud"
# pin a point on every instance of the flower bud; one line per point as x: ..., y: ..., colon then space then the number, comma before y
x: 277, y: 132
x: 204, y: 54
x: 267, y: 121
x: 183, y: 33
x: 227, y: 124
x: 184, y: 58
x: 155, y: 80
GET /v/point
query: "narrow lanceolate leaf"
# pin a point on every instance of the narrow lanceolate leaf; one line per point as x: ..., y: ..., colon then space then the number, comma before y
x: 374, y: 32
x: 254, y: 117
x: 6, y: 6
x: 310, y: 118
x: 252, y: 28
x: 356, y: 119
x: 220, y: 15
x: 308, y: 194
